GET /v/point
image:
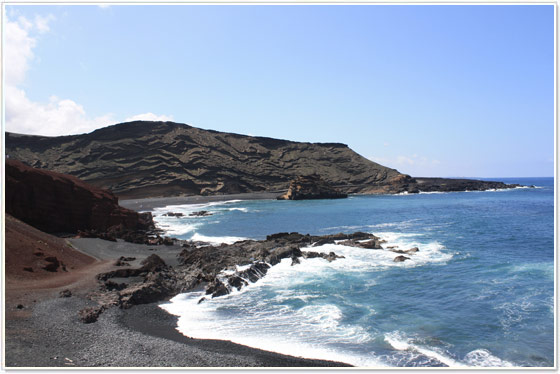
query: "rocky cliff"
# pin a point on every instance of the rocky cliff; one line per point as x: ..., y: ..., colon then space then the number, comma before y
x: 59, y: 203
x: 149, y: 159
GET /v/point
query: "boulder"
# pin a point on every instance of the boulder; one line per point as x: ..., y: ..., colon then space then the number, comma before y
x: 370, y: 244
x: 216, y: 289
x: 142, y: 293
x: 408, y: 251
x: 171, y: 214
x: 202, y: 213
x: 90, y: 314
x: 237, y: 282
x: 401, y: 258
x: 152, y: 263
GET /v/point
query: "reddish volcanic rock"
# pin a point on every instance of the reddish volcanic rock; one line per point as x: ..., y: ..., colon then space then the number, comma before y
x: 30, y: 253
x: 60, y: 203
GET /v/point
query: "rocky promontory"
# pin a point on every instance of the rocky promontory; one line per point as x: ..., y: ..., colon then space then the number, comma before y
x: 217, y: 269
x: 311, y: 187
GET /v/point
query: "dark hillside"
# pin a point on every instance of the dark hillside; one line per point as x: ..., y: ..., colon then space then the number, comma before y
x: 149, y: 159
x: 141, y: 159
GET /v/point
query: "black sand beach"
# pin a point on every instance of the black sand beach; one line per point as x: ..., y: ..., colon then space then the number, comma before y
x: 47, y: 332
x: 147, y: 204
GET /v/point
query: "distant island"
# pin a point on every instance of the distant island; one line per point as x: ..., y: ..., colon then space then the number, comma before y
x: 143, y: 159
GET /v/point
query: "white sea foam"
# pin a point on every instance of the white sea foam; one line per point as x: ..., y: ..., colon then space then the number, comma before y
x: 398, y: 341
x: 217, y: 239
x: 245, y: 210
x: 175, y: 227
x: 483, y: 358
x: 399, y: 224
x: 189, y: 208
x: 516, y: 311
x: 305, y: 332
x: 315, y: 330
x: 547, y: 268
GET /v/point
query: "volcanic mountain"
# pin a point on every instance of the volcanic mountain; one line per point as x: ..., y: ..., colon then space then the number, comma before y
x: 148, y: 159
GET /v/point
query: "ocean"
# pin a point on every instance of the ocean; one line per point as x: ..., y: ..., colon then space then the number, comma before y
x: 479, y: 293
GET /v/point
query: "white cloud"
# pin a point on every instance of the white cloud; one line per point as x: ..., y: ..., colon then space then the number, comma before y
x: 18, y: 50
x: 104, y: 5
x: 57, y: 116
x: 149, y: 117
x: 42, y: 23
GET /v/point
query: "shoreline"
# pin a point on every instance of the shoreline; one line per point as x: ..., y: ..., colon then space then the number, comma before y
x: 47, y: 331
x: 149, y: 203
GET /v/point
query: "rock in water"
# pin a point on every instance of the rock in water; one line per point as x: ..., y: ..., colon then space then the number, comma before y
x: 401, y: 258
x: 311, y: 187
x: 202, y: 213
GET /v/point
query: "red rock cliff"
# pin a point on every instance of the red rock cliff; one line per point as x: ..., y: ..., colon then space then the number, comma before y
x: 60, y: 203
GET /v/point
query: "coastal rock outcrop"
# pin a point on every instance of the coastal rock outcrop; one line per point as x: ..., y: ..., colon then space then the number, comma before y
x: 455, y: 185
x: 311, y: 187
x: 217, y: 269
x: 58, y: 203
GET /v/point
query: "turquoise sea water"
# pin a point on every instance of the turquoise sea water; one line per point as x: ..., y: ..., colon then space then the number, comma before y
x: 480, y: 292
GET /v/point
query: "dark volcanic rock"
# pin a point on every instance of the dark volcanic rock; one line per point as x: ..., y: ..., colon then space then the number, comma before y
x: 91, y: 314
x: 202, y: 213
x: 216, y: 289
x: 454, y: 185
x: 311, y: 187
x: 171, y: 214
x: 144, y: 293
x: 408, y: 251
x: 401, y: 258
x: 147, y: 159
x: 217, y: 269
x: 58, y: 203
x: 65, y: 293
x: 254, y: 256
x: 52, y: 264
x: 153, y: 263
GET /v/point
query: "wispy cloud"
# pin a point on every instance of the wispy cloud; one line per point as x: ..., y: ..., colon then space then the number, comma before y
x: 149, y: 117
x: 55, y: 117
x: 42, y: 23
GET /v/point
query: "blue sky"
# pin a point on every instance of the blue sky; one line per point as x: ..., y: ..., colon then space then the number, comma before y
x: 430, y: 90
